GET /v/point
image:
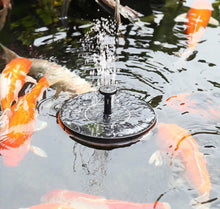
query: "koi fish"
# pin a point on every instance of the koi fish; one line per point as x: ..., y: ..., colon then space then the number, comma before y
x: 196, y: 103
x: 198, y: 17
x: 51, y: 206
x: 58, y: 76
x: 75, y: 200
x: 179, y: 143
x: 12, y: 80
x: 19, y: 125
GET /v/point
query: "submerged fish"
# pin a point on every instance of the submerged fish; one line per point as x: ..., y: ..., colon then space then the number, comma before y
x: 12, y: 80
x: 179, y: 143
x: 51, y: 206
x: 58, y: 76
x: 69, y: 199
x: 196, y: 103
x: 16, y: 130
x: 198, y: 17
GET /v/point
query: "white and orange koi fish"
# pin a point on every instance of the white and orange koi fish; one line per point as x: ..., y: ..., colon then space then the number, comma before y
x: 198, y: 17
x: 177, y: 142
x: 12, y: 80
x: 64, y: 199
x: 16, y: 131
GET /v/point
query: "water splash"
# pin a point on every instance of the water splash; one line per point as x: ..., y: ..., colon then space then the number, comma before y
x: 99, y: 50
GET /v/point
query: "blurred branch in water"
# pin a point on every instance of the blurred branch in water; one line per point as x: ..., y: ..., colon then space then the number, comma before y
x: 109, y: 6
x: 5, y: 5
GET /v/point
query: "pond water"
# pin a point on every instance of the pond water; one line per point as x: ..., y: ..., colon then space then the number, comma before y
x: 146, y: 66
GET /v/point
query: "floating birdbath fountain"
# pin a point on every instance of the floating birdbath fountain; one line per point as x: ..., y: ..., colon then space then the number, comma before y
x: 107, y: 118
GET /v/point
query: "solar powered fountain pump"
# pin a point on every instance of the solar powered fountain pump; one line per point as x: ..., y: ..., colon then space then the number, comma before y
x: 96, y: 120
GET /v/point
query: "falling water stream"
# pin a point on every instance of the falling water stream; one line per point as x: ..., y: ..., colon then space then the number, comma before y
x: 99, y: 46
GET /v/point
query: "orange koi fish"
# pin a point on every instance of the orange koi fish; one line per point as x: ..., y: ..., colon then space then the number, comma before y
x: 197, y: 103
x: 74, y: 200
x: 19, y: 125
x: 179, y: 143
x: 198, y: 17
x: 12, y: 80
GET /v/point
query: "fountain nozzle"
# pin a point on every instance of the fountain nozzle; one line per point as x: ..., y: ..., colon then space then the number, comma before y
x: 108, y: 91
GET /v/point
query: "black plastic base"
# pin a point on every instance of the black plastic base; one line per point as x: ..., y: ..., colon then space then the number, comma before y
x: 82, y: 117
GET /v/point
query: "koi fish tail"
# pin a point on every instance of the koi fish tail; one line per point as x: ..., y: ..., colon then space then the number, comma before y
x: 6, y: 54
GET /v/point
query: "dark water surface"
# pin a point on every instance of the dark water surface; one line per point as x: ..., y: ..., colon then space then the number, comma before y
x: 149, y: 69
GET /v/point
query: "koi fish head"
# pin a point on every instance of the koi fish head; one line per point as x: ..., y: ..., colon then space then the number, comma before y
x: 12, y: 79
x: 178, y: 140
x: 18, y: 65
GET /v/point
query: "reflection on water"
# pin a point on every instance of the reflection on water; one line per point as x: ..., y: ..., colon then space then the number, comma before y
x: 149, y: 69
x: 94, y: 164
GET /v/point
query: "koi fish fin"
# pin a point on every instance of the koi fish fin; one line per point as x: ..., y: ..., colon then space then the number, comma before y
x: 156, y: 158
x: 181, y: 18
x: 6, y: 54
x: 186, y: 55
x: 213, y: 22
x: 38, y: 151
x: 4, y: 119
x: 201, y: 202
x: 40, y: 125
x: 30, y: 79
